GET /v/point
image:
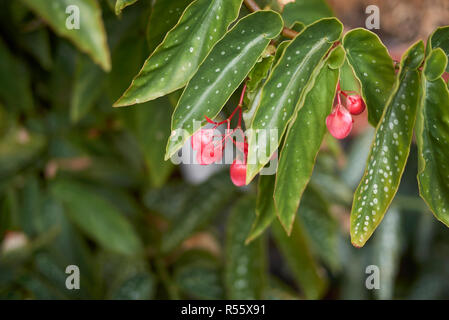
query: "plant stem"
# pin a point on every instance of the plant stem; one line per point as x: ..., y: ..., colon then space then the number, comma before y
x: 253, y: 6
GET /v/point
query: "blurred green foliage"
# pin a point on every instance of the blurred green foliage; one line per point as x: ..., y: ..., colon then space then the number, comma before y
x: 82, y: 183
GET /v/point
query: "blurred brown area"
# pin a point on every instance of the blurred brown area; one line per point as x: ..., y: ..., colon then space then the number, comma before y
x: 402, y: 22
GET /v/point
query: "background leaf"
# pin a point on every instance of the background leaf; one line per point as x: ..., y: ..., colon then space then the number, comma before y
x: 164, y: 17
x: 245, y: 264
x: 296, y: 251
x: 90, y: 37
x: 97, y: 218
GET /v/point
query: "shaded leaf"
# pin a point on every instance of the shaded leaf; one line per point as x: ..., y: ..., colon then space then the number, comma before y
x: 222, y: 72
x: 244, y: 264
x: 184, y: 48
x: 121, y: 4
x: 285, y: 87
x: 164, y: 16
x: 97, y: 217
x: 198, y: 212
x: 87, y: 87
x: 432, y: 136
x: 373, y: 67
x: 90, y: 37
x: 389, y: 150
x: 18, y: 149
x: 16, y: 95
x: 321, y: 227
x: 296, y: 252
x: 150, y: 123
x: 302, y: 144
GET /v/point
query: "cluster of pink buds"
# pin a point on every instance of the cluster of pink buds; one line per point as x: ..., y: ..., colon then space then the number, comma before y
x: 209, y: 146
x: 339, y: 122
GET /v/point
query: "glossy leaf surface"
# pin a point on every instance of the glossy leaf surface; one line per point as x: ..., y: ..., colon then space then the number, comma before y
x: 389, y: 150
x: 432, y: 136
x: 164, y: 17
x: 222, y: 72
x: 440, y: 39
x: 184, y: 48
x: 373, y: 67
x: 302, y: 143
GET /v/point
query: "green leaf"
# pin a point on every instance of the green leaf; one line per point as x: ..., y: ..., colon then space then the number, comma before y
x: 435, y: 65
x: 244, y: 264
x: 87, y: 87
x: 138, y: 286
x: 296, y: 251
x: 387, y: 253
x: 321, y: 227
x: 373, y: 67
x: 184, y: 48
x: 285, y: 87
x: 37, y: 43
x: 90, y: 37
x: 16, y: 95
x: 199, y: 276
x: 164, y: 16
x: 121, y: 4
x: 389, y: 150
x: 348, y: 80
x: 150, y: 123
x: 97, y: 217
x: 254, y: 84
x: 306, y: 11
x: 440, y: 39
x: 432, y: 136
x: 18, y: 149
x: 302, y: 143
x: 204, y: 203
x: 222, y: 72
x: 265, y: 209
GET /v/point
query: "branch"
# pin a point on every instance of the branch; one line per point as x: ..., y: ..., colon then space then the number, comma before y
x: 286, y: 32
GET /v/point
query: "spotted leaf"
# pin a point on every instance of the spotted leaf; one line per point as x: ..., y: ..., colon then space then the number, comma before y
x: 177, y: 58
x: 302, y: 143
x: 286, y: 85
x: 222, y: 72
x: 245, y: 267
x: 432, y: 136
x: 90, y: 35
x: 389, y: 150
x: 164, y: 16
x: 373, y: 67
x: 440, y: 39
